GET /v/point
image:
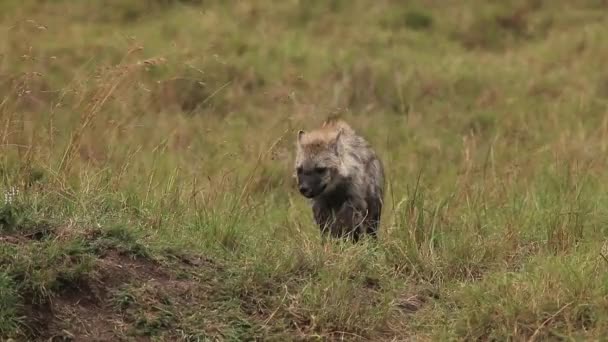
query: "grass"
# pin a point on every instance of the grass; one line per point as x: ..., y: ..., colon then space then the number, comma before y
x: 148, y: 149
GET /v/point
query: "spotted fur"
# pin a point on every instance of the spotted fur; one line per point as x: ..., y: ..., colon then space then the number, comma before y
x: 342, y: 176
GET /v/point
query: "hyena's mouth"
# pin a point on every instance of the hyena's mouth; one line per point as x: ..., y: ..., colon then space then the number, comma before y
x: 310, y: 193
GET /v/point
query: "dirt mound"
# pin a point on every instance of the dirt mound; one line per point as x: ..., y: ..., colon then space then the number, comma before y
x: 74, y: 283
x: 96, y: 308
x: 101, y: 285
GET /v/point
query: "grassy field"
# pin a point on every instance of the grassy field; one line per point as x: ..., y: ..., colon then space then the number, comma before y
x: 146, y: 152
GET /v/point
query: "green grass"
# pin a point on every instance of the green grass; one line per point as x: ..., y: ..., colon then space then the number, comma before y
x: 152, y: 143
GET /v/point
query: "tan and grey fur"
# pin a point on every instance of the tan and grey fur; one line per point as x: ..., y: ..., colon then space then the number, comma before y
x: 342, y: 176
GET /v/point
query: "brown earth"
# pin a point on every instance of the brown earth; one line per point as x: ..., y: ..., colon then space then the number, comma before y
x: 89, y: 309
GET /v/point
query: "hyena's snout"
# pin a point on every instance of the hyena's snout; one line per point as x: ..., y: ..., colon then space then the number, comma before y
x: 310, y: 186
x: 305, y: 190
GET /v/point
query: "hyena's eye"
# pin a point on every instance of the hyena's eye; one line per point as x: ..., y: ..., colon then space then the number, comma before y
x: 299, y: 169
x: 320, y: 169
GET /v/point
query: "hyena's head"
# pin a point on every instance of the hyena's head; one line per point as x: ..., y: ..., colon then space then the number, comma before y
x: 318, y: 163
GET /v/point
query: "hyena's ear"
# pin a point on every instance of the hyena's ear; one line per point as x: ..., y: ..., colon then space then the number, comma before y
x: 336, y: 142
x: 300, y: 135
x: 339, y: 135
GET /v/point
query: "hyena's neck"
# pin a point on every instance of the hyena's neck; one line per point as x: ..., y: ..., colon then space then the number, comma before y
x: 338, y: 196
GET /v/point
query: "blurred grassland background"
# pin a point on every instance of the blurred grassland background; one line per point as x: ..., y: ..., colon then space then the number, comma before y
x: 146, y: 152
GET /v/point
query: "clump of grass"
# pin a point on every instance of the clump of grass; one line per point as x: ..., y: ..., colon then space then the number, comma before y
x: 47, y: 267
x: 10, y: 320
x: 418, y: 20
x: 530, y: 310
x: 411, y: 18
x: 119, y: 239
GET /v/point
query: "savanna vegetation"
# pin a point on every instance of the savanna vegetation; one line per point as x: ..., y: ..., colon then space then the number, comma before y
x: 146, y: 151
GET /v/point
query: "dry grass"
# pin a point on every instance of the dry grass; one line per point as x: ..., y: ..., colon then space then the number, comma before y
x: 163, y: 131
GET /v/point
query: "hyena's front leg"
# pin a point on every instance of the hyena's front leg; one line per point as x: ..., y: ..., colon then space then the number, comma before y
x: 350, y: 221
x: 323, y: 218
